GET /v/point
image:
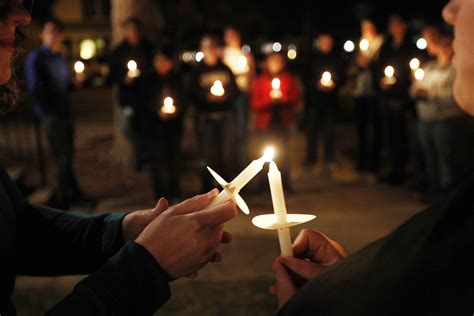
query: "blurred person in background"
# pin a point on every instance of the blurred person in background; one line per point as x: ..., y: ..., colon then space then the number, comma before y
x: 50, y: 81
x: 397, y: 53
x: 327, y: 78
x: 130, y: 257
x: 213, y: 89
x: 134, y: 48
x: 424, y: 267
x: 166, y: 107
x: 368, y: 111
x: 442, y: 124
x: 242, y: 65
x: 274, y: 99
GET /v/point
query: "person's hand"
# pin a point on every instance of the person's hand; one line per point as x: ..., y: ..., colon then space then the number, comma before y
x: 134, y: 223
x: 384, y: 86
x: 313, y: 253
x: 325, y: 89
x: 216, y: 98
x: 184, y: 238
x: 128, y: 80
x: 421, y: 92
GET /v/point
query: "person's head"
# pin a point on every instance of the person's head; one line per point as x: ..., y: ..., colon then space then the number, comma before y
x: 275, y: 63
x: 211, y: 49
x: 52, y: 34
x: 368, y: 29
x: 132, y: 28
x: 325, y: 43
x: 431, y: 34
x: 163, y: 61
x: 12, y: 14
x: 232, y: 37
x: 397, y: 27
x: 460, y: 13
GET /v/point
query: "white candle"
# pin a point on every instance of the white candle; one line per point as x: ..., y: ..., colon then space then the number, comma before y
x: 244, y: 177
x: 279, y: 207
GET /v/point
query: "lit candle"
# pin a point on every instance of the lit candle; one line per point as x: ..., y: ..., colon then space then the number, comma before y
x: 364, y: 45
x: 419, y: 74
x: 217, y: 89
x: 279, y: 207
x: 231, y: 190
x: 389, y: 78
x: 276, y: 89
x: 133, y: 71
x: 243, y: 64
x: 79, y: 69
x: 326, y: 79
x: 168, y: 106
x: 414, y: 64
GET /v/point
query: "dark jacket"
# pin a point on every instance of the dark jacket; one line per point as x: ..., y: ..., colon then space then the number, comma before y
x: 202, y: 79
x: 327, y: 62
x: 38, y: 241
x: 156, y: 89
x: 399, y: 58
x: 142, y: 54
x: 49, y: 82
x: 425, y: 267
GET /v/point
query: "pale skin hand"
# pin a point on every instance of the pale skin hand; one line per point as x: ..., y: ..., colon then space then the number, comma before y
x: 313, y: 253
x: 184, y: 237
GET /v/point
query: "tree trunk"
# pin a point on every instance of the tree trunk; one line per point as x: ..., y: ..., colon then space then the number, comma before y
x: 149, y: 14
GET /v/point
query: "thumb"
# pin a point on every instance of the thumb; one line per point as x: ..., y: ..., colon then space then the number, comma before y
x: 285, y: 287
x: 161, y: 206
x: 305, y: 269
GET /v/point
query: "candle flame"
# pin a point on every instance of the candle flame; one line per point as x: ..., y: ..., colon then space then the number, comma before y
x: 364, y: 45
x: 79, y: 67
x: 132, y: 65
x: 217, y: 88
x: 269, y: 154
x: 276, y: 84
x: 326, y: 76
x: 389, y: 71
x: 419, y: 74
x: 414, y: 64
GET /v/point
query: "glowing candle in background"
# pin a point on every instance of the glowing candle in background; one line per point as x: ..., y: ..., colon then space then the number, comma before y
x: 389, y: 78
x: 419, y: 74
x: 133, y: 71
x: 168, y: 106
x: 364, y: 45
x: 217, y: 89
x: 79, y: 69
x: 276, y: 89
x: 415, y: 64
x: 326, y: 79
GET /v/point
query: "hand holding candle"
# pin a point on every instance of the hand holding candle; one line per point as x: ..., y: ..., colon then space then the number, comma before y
x: 326, y: 81
x: 217, y: 89
x: 389, y: 78
x: 133, y: 71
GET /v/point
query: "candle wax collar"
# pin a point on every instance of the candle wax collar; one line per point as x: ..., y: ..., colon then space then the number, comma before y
x: 269, y: 221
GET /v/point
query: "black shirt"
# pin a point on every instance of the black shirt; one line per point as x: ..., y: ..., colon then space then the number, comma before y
x: 202, y: 79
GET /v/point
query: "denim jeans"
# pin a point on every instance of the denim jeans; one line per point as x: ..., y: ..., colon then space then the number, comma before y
x: 438, y: 140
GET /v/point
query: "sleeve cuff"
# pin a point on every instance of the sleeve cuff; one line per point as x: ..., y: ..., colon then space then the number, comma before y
x: 131, y: 282
x: 112, y: 235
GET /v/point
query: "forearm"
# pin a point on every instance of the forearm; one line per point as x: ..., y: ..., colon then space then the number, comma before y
x: 51, y: 242
x: 129, y: 283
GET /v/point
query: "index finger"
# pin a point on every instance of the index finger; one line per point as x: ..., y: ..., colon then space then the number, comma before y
x: 196, y: 203
x: 217, y: 215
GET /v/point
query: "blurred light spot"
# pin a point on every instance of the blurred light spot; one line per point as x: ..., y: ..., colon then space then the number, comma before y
x: 421, y: 43
x: 276, y: 47
x: 349, y: 46
x: 87, y: 49
x: 199, y: 56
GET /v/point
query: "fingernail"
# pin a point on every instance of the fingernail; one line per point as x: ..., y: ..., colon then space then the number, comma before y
x: 213, y: 192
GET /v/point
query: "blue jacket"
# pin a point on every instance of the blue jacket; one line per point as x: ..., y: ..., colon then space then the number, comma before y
x: 49, y: 81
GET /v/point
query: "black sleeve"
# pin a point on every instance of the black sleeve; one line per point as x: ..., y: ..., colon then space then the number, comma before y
x: 129, y: 283
x: 423, y: 268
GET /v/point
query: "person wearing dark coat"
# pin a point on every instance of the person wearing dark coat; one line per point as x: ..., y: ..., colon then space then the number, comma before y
x: 328, y: 76
x: 424, y: 267
x: 130, y: 257
x: 134, y: 51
